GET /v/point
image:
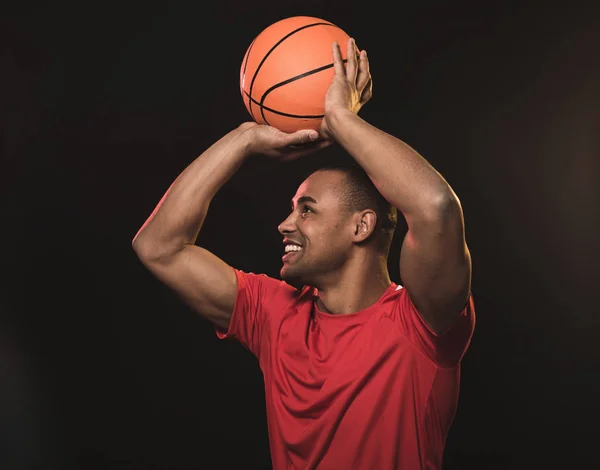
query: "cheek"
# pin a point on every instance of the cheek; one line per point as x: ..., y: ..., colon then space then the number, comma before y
x: 330, y: 239
x: 324, y: 236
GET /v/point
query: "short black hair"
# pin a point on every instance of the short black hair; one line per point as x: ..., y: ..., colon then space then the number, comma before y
x: 359, y: 193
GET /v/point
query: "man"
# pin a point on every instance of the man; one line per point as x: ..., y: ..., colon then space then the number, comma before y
x: 360, y: 373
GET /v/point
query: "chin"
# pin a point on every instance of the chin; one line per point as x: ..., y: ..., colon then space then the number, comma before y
x: 291, y: 276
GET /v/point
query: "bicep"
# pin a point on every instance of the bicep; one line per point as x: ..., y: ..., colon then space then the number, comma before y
x: 201, y: 279
x: 435, y: 266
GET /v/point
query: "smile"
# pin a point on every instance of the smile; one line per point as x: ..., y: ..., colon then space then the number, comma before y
x: 290, y: 255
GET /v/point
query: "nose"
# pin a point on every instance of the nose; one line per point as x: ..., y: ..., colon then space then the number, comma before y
x: 288, y: 225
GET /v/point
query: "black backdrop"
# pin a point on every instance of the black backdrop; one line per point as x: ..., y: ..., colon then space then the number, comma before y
x: 103, y: 105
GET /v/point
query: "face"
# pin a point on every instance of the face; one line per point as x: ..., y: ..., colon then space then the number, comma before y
x: 322, y: 229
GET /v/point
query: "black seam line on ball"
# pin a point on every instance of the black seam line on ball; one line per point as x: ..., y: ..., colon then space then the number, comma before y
x: 281, y: 113
x: 271, y: 50
x: 289, y: 80
x: 246, y: 65
x: 248, y: 56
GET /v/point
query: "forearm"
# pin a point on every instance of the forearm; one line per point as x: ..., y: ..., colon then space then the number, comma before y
x: 402, y: 176
x: 178, y: 217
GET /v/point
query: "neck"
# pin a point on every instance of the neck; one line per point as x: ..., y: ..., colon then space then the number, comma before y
x: 359, y: 285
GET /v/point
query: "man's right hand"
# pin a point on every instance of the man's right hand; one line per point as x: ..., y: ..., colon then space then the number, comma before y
x: 270, y: 141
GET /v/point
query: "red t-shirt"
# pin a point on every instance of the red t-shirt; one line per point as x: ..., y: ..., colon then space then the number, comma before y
x: 375, y: 389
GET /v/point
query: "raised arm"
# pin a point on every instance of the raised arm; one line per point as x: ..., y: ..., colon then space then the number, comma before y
x: 166, y: 242
x: 435, y: 263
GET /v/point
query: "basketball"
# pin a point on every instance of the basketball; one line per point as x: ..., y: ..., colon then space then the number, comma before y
x: 287, y: 70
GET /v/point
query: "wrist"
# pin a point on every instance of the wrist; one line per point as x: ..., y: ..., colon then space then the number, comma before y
x: 245, y: 139
x: 336, y: 118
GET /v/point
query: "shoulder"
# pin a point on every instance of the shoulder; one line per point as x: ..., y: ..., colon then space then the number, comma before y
x: 392, y: 296
x: 270, y: 288
x: 445, y: 349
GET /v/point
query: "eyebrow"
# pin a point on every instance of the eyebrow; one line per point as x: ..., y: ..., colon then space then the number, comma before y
x: 304, y: 199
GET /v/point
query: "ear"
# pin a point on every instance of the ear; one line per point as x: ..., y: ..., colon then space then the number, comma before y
x: 364, y: 225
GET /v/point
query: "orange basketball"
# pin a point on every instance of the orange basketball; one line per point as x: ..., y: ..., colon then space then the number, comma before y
x: 287, y: 70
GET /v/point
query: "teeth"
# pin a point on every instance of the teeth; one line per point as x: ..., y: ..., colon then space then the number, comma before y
x: 289, y: 248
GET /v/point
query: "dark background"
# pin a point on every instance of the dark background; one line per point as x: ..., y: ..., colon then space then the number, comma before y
x: 104, y: 104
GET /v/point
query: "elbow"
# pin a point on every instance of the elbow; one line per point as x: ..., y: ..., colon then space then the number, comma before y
x: 447, y: 202
x: 134, y: 242
x: 147, y: 254
x: 141, y: 249
x: 151, y: 251
x: 140, y: 242
x: 137, y: 242
x: 144, y: 248
x: 443, y: 206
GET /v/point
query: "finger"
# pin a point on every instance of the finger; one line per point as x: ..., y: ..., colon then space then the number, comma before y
x: 303, y: 136
x: 306, y: 149
x: 367, y: 93
x: 351, y: 65
x: 338, y: 64
x: 364, y: 73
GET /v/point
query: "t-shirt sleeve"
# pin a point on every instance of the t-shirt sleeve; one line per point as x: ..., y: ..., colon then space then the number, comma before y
x: 248, y: 324
x: 446, y: 349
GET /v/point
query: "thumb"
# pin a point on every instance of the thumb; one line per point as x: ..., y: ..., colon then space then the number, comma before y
x: 304, y: 136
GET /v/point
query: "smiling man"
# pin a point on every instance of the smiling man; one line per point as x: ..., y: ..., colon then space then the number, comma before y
x: 359, y: 372
x: 321, y: 252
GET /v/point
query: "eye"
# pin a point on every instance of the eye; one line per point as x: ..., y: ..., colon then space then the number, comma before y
x: 306, y: 209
